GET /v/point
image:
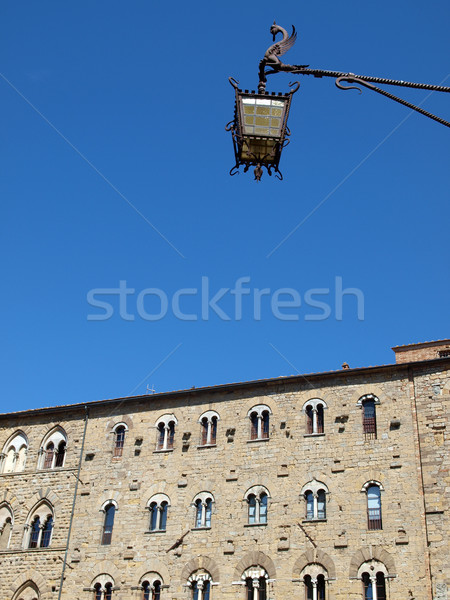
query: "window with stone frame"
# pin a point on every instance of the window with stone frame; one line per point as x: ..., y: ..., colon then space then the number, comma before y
x: 203, y: 505
x: 27, y: 591
x: 158, y: 506
x: 208, y: 428
x: 200, y: 584
x: 315, y: 495
x: 119, y: 431
x: 103, y: 587
x: 109, y: 510
x: 257, y: 498
x: 256, y: 583
x: 259, y: 417
x: 373, y: 575
x: 14, y: 454
x: 373, y: 492
x: 315, y: 577
x: 52, y: 453
x: 6, y: 525
x: 151, y: 590
x: 165, y: 428
x: 39, y: 526
x: 368, y: 405
x: 314, y: 410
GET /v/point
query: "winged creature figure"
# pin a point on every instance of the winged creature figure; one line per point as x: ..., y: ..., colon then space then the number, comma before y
x: 279, y: 48
x: 272, y: 56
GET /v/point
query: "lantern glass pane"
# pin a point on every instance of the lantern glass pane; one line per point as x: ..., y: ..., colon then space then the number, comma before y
x: 262, y: 116
x: 263, y: 150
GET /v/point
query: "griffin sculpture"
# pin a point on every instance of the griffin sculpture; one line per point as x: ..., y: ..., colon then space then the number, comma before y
x: 272, y: 56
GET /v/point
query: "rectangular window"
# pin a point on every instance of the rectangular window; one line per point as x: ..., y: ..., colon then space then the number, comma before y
x: 369, y: 419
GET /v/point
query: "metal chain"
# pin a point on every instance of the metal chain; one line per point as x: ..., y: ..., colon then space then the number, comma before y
x: 337, y: 74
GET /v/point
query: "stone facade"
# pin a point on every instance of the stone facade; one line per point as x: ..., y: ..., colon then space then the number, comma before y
x: 307, y: 544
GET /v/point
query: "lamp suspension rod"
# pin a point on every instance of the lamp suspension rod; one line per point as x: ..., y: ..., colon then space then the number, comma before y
x: 388, y: 95
x: 381, y: 80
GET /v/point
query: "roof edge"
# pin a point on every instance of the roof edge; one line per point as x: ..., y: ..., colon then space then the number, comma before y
x: 227, y: 386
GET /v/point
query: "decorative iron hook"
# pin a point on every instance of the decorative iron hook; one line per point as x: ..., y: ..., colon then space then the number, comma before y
x: 339, y: 81
x: 233, y: 82
x: 297, y: 84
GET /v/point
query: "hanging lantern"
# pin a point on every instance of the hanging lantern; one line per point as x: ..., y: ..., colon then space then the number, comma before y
x: 259, y: 129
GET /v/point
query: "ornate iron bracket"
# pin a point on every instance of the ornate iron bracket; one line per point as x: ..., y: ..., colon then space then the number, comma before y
x: 271, y: 64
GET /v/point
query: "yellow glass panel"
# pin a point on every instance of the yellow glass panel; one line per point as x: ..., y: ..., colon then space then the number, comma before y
x: 262, y: 121
x: 249, y: 110
x: 275, y: 123
x: 249, y: 120
x: 248, y: 129
x: 263, y: 110
x: 261, y: 131
x: 277, y: 112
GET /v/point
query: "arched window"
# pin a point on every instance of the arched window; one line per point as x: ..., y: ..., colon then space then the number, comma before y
x: 151, y: 585
x: 13, y: 457
x: 165, y: 432
x: 373, y: 490
x: 255, y: 579
x: 6, y: 524
x: 49, y: 455
x: 146, y: 591
x: 314, y: 588
x: 119, y: 440
x: 28, y: 591
x: 39, y: 527
x: 60, y: 454
x: 309, y: 497
x: 257, y: 499
x: 108, y: 591
x: 368, y: 404
x: 315, y: 493
x: 108, y: 523
x: 203, y: 503
x: 314, y: 412
x: 373, y: 576
x: 156, y: 590
x: 103, y: 587
x: 47, y: 532
x: 208, y: 428
x: 200, y: 585
x: 53, y: 449
x: 97, y: 591
x: 259, y: 422
x: 158, y: 506
x: 315, y: 577
x: 35, y: 532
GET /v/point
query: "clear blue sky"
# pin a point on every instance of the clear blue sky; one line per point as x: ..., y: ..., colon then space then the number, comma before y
x: 140, y: 92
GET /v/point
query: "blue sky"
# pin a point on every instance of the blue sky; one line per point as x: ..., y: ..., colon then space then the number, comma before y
x: 113, y: 120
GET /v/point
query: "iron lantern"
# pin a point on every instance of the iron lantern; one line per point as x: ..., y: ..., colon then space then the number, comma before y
x: 259, y: 129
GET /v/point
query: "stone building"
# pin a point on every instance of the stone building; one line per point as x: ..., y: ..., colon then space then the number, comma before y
x: 328, y: 486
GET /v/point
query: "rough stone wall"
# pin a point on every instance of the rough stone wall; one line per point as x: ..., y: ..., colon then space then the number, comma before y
x: 418, y: 352
x: 341, y: 458
x: 432, y: 391
x: 23, y: 491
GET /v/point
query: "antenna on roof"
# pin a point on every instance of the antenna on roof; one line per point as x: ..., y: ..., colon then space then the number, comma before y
x: 150, y: 389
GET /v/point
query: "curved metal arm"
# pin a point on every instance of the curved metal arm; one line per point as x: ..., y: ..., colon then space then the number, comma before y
x: 353, y: 79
